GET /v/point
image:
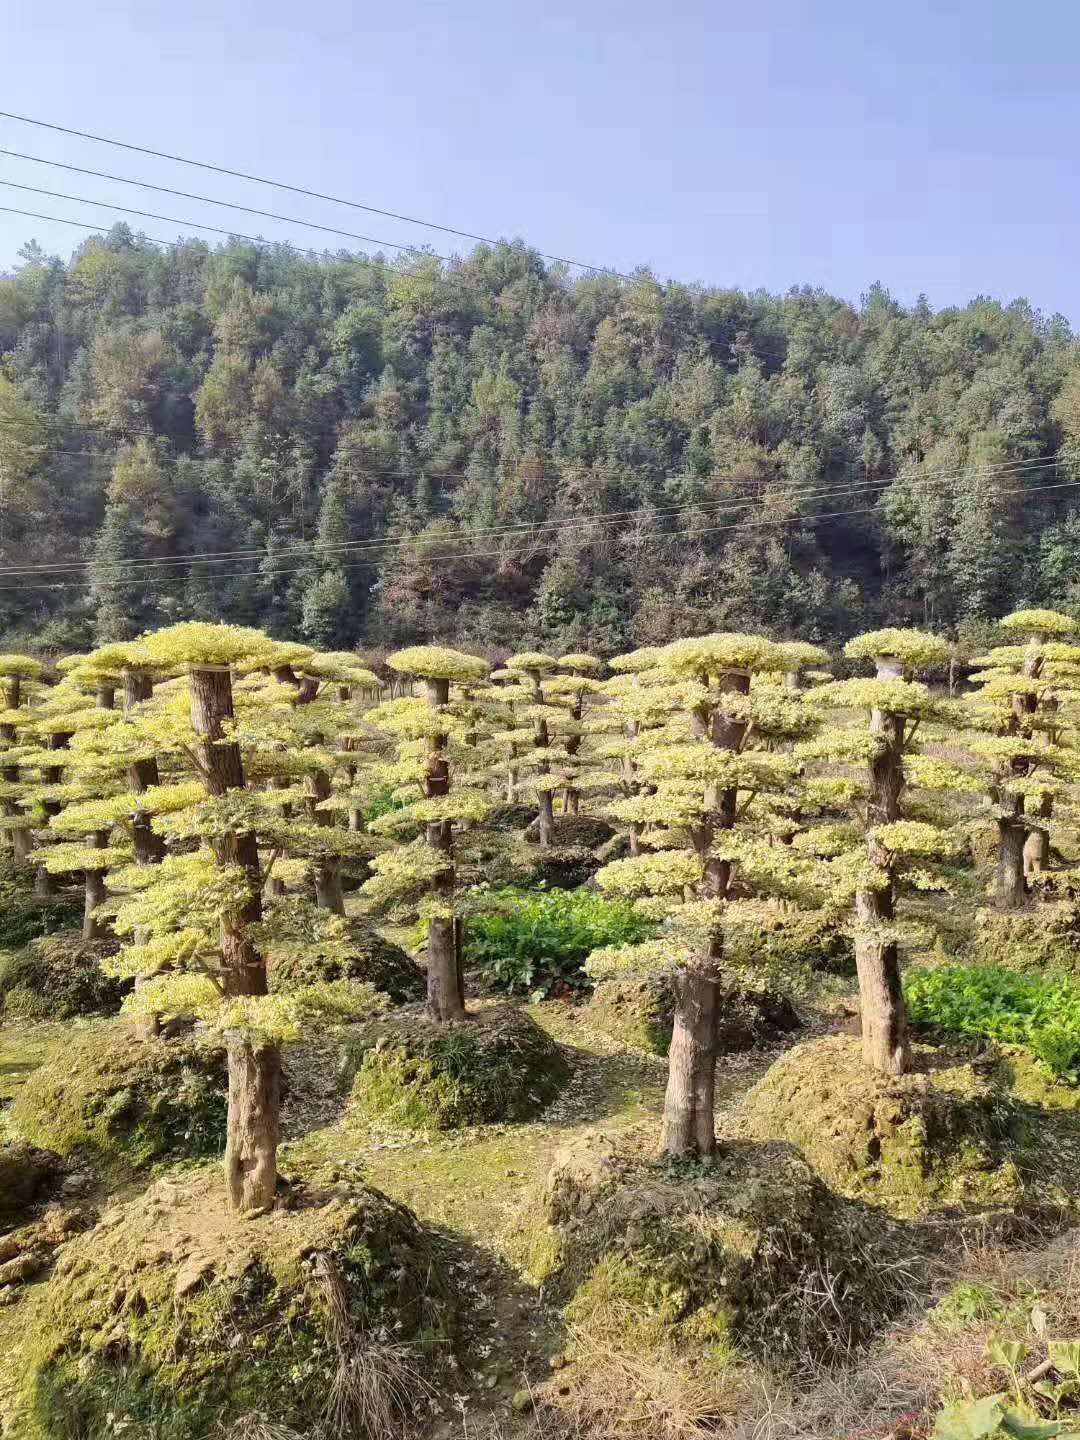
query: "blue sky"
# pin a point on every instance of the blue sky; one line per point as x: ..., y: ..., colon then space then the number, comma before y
x: 931, y: 146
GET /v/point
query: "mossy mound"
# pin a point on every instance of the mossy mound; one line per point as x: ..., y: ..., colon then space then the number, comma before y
x: 178, y: 1320
x: 957, y: 1129
x: 750, y: 1248
x: 412, y: 1073
x: 581, y: 832
x: 1040, y: 937
x: 27, y: 1176
x: 365, y: 956
x: 124, y: 1102
x: 58, y: 977
x: 640, y: 1014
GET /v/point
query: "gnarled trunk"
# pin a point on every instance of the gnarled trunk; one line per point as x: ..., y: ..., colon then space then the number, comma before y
x: 141, y: 775
x: 253, y: 1125
x: 688, y: 1128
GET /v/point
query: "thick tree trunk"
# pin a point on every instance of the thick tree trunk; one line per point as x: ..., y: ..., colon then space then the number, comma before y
x: 252, y: 1129
x: 1010, y: 888
x: 22, y: 842
x: 254, y: 1071
x: 445, y: 988
x: 546, y: 819
x: 688, y: 1124
x: 1037, y: 844
x: 881, y: 997
x: 328, y: 892
x: 94, y: 927
x: 149, y: 847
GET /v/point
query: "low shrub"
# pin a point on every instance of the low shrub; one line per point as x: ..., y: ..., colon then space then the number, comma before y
x: 1041, y: 1012
x: 57, y: 977
x: 538, y: 940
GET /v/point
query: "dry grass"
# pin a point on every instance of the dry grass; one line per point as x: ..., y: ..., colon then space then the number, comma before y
x: 376, y: 1384
x: 257, y: 1426
x: 652, y: 1391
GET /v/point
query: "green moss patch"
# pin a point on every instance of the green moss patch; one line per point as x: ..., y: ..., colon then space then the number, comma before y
x: 639, y: 1012
x: 956, y: 1130
x: 175, y: 1318
x: 740, y: 1251
x: 124, y: 1102
x: 58, y: 977
x: 412, y: 1073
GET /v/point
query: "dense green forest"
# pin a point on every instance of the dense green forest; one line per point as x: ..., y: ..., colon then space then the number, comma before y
x: 796, y: 464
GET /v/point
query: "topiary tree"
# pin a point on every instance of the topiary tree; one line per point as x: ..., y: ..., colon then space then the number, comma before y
x: 15, y: 673
x: 431, y: 735
x: 698, y: 781
x: 574, y: 688
x: 896, y: 706
x: 1015, y: 704
x: 230, y: 878
x: 534, y: 666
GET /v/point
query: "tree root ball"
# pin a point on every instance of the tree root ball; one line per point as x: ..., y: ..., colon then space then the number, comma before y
x: 640, y: 1013
x: 413, y: 1073
x: 124, y: 1103
x: 180, y: 1320
x: 372, y: 959
x: 958, y: 1129
x: 751, y: 1249
x: 57, y: 977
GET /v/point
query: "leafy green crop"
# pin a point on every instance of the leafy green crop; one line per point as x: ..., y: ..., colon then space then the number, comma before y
x: 1041, y: 1012
x: 539, y: 939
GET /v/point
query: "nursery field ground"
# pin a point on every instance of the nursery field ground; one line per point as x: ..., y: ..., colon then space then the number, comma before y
x: 474, y: 1185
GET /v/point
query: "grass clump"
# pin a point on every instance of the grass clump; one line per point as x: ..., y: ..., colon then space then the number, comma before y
x: 124, y: 1102
x: 412, y: 1073
x: 1045, y: 936
x: 175, y: 1319
x: 1041, y: 1012
x: 539, y: 940
x: 58, y: 977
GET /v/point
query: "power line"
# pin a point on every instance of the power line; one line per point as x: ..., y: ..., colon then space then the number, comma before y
x: 194, y: 224
x: 462, y: 555
x: 390, y: 545
x: 99, y: 229
x: 301, y: 190
x: 206, y: 199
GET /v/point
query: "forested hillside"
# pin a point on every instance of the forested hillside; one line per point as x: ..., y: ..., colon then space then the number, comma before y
x: 796, y: 464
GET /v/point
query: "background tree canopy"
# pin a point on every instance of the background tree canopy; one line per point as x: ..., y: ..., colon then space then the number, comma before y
x: 270, y: 409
